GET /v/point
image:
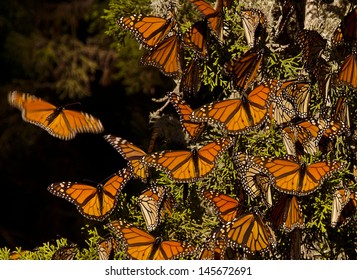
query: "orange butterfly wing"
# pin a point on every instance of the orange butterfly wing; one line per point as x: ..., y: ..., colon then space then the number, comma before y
x: 140, y: 245
x: 131, y: 153
x: 292, y: 178
x: 193, y: 129
x: 226, y: 206
x: 148, y: 30
x: 189, y: 166
x: 237, y: 116
x: 249, y: 232
x: 196, y: 38
x: 57, y: 121
x: 348, y: 69
x: 245, y: 69
x: 95, y: 203
x: 287, y: 213
x: 166, y: 56
x: 214, y: 16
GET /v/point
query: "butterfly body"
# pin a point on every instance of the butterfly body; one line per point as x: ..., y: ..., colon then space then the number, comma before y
x: 140, y: 245
x: 93, y: 202
x: 189, y: 166
x: 238, y: 116
x: 296, y: 178
x: 57, y: 121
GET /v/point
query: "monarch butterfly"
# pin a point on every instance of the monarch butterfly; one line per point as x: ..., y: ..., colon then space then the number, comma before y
x: 106, y: 248
x: 312, y: 45
x: 196, y: 37
x: 226, y: 207
x: 132, y: 154
x: 216, y: 248
x: 290, y: 101
x: 287, y: 213
x: 348, y: 69
x: 57, y: 121
x: 237, y: 116
x: 166, y: 56
x: 153, y: 203
x: 341, y: 112
x: 193, y: 129
x: 189, y: 166
x: 310, y: 135
x: 191, y: 78
x: 254, y: 24
x: 148, y: 30
x: 214, y: 16
x: 253, y: 178
x: 213, y: 250
x: 344, y: 206
x: 244, y: 69
x: 65, y: 253
x: 250, y: 232
x: 347, y: 30
x: 94, y: 203
x: 139, y: 245
x: 292, y: 177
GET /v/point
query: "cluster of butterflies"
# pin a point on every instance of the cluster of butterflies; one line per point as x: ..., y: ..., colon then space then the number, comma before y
x: 285, y: 104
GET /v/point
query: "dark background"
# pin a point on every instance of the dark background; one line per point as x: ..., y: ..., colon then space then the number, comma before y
x: 30, y: 158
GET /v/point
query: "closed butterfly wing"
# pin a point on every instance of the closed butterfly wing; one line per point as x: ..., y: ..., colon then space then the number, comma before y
x: 191, y: 78
x: 193, y: 129
x: 254, y: 24
x: 253, y: 178
x: 214, y: 16
x: 226, y: 207
x: 245, y: 69
x: 57, y: 121
x: 140, y: 245
x: 93, y: 202
x: 348, y: 69
x: 196, y: 38
x: 132, y: 153
x: 189, y: 166
x: 344, y: 206
x: 291, y: 177
x: 166, y: 56
x: 237, y: 116
x: 154, y: 203
x: 106, y: 248
x: 250, y: 232
x: 347, y: 30
x: 148, y: 30
x: 287, y: 213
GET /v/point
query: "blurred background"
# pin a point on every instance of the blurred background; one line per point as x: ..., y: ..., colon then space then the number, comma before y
x: 59, y: 51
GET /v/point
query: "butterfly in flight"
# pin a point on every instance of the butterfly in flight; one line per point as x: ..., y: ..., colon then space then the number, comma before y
x: 132, y: 153
x: 140, y: 245
x: 93, y: 202
x: 193, y: 129
x: 57, y: 121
